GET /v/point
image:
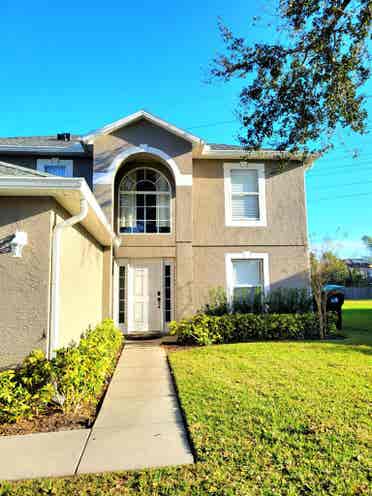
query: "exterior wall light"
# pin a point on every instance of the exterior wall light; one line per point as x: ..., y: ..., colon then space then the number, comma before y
x: 18, y: 242
x: 14, y: 243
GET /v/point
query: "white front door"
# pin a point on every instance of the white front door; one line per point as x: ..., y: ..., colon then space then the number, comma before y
x: 145, y: 291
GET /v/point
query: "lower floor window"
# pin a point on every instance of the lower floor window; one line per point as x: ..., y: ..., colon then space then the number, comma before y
x: 122, y: 299
x: 167, y: 293
x: 247, y: 277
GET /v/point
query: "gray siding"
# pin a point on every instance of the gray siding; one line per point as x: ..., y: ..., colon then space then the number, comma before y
x: 83, y: 166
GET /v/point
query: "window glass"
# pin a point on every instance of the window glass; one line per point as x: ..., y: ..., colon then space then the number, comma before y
x: 57, y: 170
x: 144, y: 202
x: 167, y: 293
x: 244, y: 181
x: 245, y: 207
x: 247, y: 273
x: 121, y: 294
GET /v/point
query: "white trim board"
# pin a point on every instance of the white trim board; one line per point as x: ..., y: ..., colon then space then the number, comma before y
x: 246, y: 255
x: 260, y: 168
x: 107, y: 176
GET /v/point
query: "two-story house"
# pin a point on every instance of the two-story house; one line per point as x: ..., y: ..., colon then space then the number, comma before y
x: 159, y: 218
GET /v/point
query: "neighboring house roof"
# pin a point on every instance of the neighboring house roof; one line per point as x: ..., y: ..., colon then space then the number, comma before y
x: 67, y: 191
x: 16, y: 170
x: 46, y: 144
x: 142, y: 114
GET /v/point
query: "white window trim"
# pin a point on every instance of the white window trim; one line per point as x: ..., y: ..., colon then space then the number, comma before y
x: 260, y: 168
x: 69, y: 164
x: 245, y: 255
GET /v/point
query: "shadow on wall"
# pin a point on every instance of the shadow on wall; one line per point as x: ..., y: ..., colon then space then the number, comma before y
x: 16, y: 210
x: 298, y: 280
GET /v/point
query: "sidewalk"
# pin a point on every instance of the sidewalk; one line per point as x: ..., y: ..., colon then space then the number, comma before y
x: 139, y: 426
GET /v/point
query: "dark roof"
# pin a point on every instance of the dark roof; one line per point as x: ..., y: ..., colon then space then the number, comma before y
x: 16, y: 170
x: 38, y: 141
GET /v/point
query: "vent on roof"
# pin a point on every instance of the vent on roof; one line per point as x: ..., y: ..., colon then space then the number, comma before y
x: 64, y: 136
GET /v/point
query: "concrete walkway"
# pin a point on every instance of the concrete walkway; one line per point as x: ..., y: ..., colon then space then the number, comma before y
x: 139, y: 426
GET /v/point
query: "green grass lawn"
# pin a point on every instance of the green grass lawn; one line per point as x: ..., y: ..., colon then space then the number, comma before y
x: 279, y: 418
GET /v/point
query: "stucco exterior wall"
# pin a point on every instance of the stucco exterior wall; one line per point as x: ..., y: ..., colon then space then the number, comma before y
x: 24, y: 282
x: 81, y: 289
x: 107, y: 147
x: 284, y: 238
x: 285, y: 207
x: 288, y: 267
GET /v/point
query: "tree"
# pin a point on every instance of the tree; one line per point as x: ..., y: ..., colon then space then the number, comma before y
x: 297, y: 92
x: 326, y: 268
x: 336, y: 269
x: 367, y: 240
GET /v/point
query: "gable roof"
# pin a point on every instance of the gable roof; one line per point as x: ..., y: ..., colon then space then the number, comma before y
x: 142, y: 114
x: 7, y: 170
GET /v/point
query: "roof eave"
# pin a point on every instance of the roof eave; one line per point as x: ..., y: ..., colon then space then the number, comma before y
x: 306, y: 159
x: 76, y: 148
x: 62, y: 189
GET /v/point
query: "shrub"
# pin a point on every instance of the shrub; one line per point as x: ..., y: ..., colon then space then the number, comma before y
x: 72, y: 380
x: 81, y: 371
x: 218, y: 304
x: 249, y: 300
x: 210, y: 329
x: 289, y: 300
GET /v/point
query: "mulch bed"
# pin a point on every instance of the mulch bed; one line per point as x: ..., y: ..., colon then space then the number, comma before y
x: 50, y: 422
x: 54, y: 420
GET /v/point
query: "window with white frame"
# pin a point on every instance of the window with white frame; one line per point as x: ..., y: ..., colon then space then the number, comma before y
x: 55, y: 166
x: 247, y: 277
x: 144, y: 202
x: 245, y: 272
x: 245, y: 203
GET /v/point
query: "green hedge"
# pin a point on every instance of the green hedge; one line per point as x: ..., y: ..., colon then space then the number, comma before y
x: 205, y: 329
x: 72, y: 380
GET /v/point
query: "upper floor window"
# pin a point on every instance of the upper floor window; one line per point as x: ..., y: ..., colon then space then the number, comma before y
x: 144, y: 202
x: 55, y: 166
x: 245, y: 203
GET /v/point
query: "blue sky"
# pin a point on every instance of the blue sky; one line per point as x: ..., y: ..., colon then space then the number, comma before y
x: 75, y: 66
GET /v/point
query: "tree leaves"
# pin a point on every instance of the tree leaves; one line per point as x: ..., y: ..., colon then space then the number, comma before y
x: 296, y: 93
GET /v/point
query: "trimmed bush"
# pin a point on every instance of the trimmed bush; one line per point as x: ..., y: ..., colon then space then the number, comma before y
x: 205, y: 329
x: 72, y: 380
x: 280, y: 300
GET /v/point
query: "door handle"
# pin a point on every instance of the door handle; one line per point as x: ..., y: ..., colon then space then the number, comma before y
x: 159, y: 299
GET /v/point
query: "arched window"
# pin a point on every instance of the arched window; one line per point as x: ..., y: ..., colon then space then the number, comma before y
x: 144, y: 202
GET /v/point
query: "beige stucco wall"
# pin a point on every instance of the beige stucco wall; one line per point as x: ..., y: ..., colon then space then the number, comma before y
x: 81, y: 289
x: 285, y: 207
x: 200, y: 238
x: 24, y: 282
x: 284, y: 238
x: 107, y: 147
x: 288, y: 267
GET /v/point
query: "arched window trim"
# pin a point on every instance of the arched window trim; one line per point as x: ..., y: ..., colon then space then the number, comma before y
x: 135, y: 192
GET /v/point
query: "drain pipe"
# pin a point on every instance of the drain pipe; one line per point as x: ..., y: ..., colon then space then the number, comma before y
x: 56, y: 270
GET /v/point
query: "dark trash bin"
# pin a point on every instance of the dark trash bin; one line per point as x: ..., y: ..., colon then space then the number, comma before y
x: 335, y: 299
